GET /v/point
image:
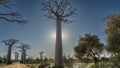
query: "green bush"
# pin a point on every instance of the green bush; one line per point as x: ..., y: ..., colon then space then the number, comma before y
x: 43, y: 65
x: 2, y: 59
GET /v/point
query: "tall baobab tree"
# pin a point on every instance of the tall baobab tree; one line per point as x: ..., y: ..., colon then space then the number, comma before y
x: 41, y: 55
x: 59, y: 10
x: 9, y: 43
x: 16, y: 56
x: 9, y: 16
x: 24, y: 48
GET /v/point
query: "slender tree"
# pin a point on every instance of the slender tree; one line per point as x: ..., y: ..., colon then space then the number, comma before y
x: 41, y: 55
x: 9, y: 43
x: 16, y: 56
x: 21, y: 55
x: 59, y: 10
x: 24, y: 48
x: 10, y: 16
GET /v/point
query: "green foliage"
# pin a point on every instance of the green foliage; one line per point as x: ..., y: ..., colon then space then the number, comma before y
x: 116, y: 61
x: 104, y: 59
x: 37, y: 60
x: 89, y: 47
x: 59, y: 66
x: 113, y: 33
x: 2, y: 59
x: 68, y: 61
x: 30, y: 60
x: 43, y: 65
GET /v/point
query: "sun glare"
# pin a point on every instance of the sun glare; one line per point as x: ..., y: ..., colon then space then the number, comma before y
x: 54, y: 35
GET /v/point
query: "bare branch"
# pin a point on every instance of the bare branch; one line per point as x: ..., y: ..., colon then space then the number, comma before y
x: 10, y: 16
x: 5, y: 3
x: 24, y: 46
x: 10, y: 41
x: 14, y: 14
x: 58, y: 9
x: 14, y: 20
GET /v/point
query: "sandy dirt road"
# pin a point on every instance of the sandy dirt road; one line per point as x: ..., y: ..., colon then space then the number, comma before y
x: 14, y: 65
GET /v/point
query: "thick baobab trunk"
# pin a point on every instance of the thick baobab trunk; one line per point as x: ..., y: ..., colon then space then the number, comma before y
x: 8, y: 61
x: 24, y: 57
x: 58, y: 50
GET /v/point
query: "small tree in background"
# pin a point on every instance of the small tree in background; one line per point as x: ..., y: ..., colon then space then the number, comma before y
x: 21, y: 55
x: 16, y: 56
x: 9, y: 43
x: 24, y: 48
x: 41, y: 55
x: 89, y: 47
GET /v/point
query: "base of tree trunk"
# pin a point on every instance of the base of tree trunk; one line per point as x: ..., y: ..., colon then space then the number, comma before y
x: 8, y: 62
x: 59, y: 66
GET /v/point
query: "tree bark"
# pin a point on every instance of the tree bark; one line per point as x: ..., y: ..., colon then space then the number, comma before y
x: 96, y: 62
x: 24, y: 56
x: 58, y: 50
x: 41, y: 57
x: 9, y: 54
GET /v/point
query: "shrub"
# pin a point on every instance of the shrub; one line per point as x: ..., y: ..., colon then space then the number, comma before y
x: 43, y: 65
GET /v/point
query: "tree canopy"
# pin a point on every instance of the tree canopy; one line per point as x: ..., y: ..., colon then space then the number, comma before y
x: 61, y: 9
x: 112, y: 31
x: 89, y: 47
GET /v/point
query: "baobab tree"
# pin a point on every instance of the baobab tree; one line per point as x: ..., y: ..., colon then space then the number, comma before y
x: 10, y: 16
x: 16, y: 56
x: 60, y: 11
x: 24, y: 48
x: 21, y: 55
x: 9, y: 43
x: 41, y: 55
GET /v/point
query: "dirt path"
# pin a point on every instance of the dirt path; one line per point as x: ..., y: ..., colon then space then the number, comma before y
x: 15, y: 65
